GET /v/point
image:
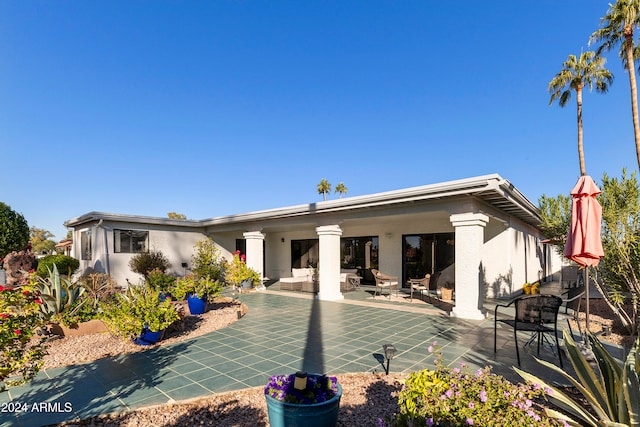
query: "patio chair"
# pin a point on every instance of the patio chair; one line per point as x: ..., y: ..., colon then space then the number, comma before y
x: 572, y: 307
x: 537, y: 314
x: 384, y: 281
x: 420, y: 285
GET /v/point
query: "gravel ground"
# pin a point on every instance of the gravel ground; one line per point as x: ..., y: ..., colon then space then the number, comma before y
x: 366, y: 397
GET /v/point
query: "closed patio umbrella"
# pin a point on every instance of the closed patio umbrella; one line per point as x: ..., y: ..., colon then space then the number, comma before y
x: 584, y: 245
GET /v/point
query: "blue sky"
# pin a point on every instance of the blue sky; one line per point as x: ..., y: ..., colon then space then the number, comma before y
x: 211, y: 108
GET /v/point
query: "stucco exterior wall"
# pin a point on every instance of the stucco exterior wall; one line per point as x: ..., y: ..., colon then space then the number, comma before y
x: 176, y: 244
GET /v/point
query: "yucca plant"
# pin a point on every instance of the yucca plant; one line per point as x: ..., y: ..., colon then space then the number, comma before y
x: 611, y: 388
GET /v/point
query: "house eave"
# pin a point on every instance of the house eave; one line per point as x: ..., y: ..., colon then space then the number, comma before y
x: 491, y: 189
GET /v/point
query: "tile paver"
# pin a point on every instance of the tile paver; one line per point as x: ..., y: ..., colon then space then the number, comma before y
x: 279, y: 334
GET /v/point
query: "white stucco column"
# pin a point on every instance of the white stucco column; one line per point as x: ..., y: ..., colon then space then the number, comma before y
x: 329, y: 263
x: 255, y: 248
x: 469, y: 240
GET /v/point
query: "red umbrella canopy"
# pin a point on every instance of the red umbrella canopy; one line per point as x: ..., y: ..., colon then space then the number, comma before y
x: 584, y: 244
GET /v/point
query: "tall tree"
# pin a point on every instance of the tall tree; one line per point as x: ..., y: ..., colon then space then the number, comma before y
x: 323, y: 188
x: 587, y: 70
x: 617, y: 26
x: 41, y: 240
x: 14, y: 231
x: 341, y: 189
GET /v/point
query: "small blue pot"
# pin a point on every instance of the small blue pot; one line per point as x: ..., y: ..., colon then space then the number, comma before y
x: 148, y: 337
x: 196, y: 304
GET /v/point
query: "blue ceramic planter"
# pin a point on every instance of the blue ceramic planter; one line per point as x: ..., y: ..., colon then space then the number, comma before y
x: 148, y: 337
x: 323, y: 414
x: 196, y: 304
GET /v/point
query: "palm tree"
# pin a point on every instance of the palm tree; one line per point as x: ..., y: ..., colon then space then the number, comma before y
x: 340, y: 188
x: 587, y: 70
x: 323, y: 188
x: 618, y: 26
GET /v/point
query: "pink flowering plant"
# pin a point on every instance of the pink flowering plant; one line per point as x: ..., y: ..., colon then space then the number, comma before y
x: 237, y: 271
x: 319, y: 388
x: 21, y: 352
x: 447, y: 396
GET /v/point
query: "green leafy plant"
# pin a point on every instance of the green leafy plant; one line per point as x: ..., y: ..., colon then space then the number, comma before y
x: 161, y: 281
x: 98, y: 287
x: 21, y: 352
x: 14, y: 231
x: 146, y: 262
x: 57, y: 294
x: 82, y: 310
x: 448, y: 396
x: 200, y: 286
x: 237, y: 271
x: 612, y: 389
x: 207, y: 261
x: 126, y: 314
x: 65, y: 264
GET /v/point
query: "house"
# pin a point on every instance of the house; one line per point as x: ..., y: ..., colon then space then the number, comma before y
x: 480, y: 233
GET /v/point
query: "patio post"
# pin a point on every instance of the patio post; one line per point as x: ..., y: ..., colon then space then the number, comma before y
x: 469, y: 229
x: 329, y: 263
x: 255, y: 251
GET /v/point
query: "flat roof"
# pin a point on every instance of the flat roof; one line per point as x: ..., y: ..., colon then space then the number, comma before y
x: 492, y: 189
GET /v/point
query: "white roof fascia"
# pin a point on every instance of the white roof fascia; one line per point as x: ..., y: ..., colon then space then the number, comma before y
x: 493, y: 189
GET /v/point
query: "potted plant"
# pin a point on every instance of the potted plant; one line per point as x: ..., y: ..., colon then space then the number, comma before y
x: 535, y: 288
x: 196, y: 290
x: 300, y: 399
x: 139, y: 314
x: 238, y: 274
x: 161, y: 282
x: 456, y: 396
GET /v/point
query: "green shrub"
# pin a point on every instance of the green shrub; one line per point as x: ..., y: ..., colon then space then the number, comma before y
x: 145, y: 262
x: 200, y: 286
x: 14, y: 231
x: 66, y: 265
x: 161, y: 281
x: 207, y: 261
x: 126, y: 314
x: 456, y: 397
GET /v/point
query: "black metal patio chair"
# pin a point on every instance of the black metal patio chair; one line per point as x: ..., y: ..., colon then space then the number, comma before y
x: 572, y: 307
x: 537, y: 314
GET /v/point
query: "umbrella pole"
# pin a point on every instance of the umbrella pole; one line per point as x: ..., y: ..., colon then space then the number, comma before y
x: 586, y: 288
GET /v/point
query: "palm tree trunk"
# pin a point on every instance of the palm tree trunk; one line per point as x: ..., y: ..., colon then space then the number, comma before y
x: 583, y: 171
x: 634, y: 92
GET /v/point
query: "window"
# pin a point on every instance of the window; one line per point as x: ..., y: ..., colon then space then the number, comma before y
x: 305, y: 253
x: 427, y: 253
x: 360, y: 253
x: 130, y: 241
x: 85, y: 244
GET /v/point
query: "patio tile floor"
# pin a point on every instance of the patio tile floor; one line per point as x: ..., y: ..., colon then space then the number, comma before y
x: 281, y: 333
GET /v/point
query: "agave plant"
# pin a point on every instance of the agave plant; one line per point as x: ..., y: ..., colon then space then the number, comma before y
x: 611, y: 388
x: 57, y: 294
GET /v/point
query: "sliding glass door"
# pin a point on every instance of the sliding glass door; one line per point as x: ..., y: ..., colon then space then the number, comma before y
x: 427, y: 254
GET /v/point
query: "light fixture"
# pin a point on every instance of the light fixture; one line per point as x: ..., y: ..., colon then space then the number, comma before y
x: 282, y: 239
x: 389, y: 352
